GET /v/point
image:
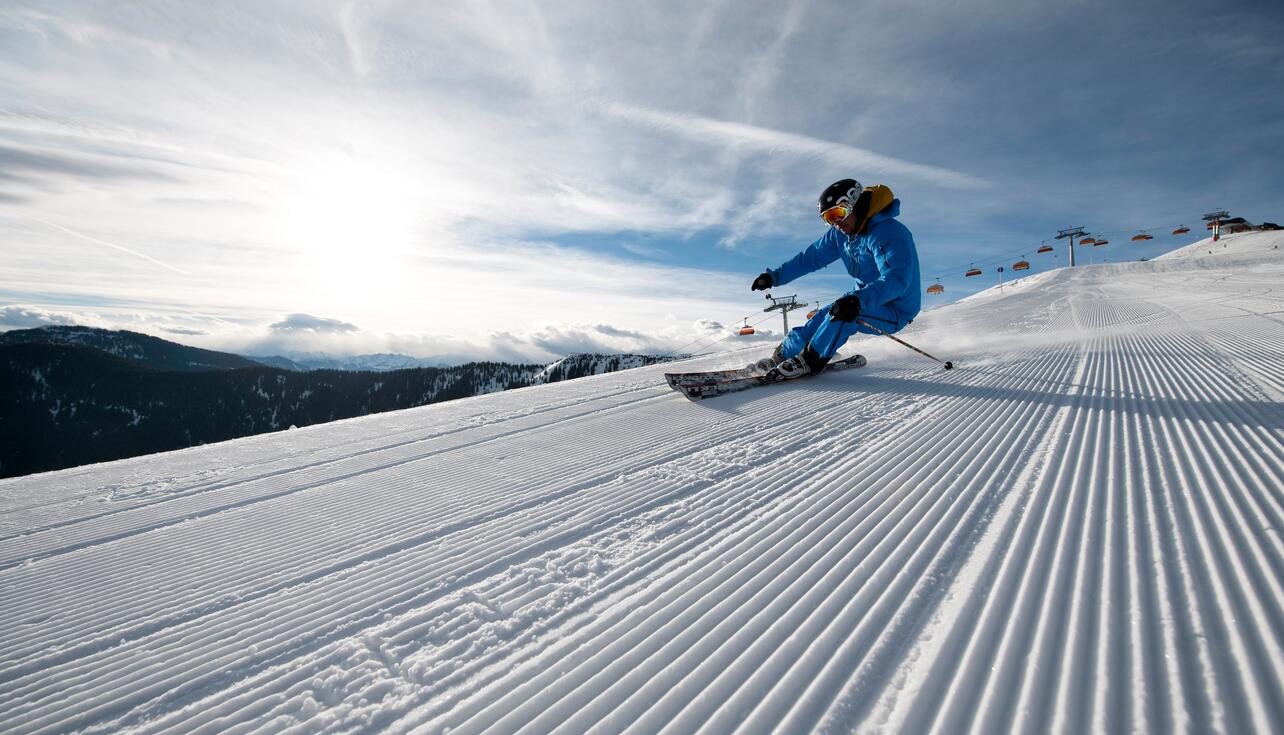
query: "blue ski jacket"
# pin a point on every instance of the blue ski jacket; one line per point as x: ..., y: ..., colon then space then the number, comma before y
x: 883, y: 261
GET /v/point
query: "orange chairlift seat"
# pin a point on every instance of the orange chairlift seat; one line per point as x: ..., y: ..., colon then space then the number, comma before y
x: 1103, y: 242
x: 745, y: 330
x: 936, y: 287
x: 1021, y: 265
x: 973, y: 271
x: 1141, y: 236
x: 1045, y: 249
x: 1181, y: 230
x: 1087, y: 241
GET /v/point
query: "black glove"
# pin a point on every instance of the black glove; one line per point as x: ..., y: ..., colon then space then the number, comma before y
x: 763, y: 282
x: 846, y: 308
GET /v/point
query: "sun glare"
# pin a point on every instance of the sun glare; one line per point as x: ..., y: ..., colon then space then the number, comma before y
x: 347, y: 207
x: 351, y: 220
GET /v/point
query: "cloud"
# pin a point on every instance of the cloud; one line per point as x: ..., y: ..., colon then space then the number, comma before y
x: 554, y: 341
x: 566, y: 339
x: 766, y: 140
x: 539, y: 344
x: 19, y: 316
x: 13, y: 161
x: 308, y: 334
x: 98, y: 241
x: 314, y: 324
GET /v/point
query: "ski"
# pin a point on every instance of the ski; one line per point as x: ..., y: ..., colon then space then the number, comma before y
x: 711, y: 383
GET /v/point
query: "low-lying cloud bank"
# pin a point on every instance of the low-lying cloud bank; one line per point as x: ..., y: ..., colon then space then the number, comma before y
x: 20, y: 316
x: 298, y: 334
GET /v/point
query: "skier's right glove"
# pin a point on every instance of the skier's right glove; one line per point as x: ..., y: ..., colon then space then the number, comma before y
x: 846, y: 308
x: 763, y: 282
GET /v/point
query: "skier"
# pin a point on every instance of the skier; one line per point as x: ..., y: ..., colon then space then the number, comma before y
x: 878, y: 252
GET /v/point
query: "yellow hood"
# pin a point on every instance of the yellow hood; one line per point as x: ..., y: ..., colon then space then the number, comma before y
x: 880, y: 198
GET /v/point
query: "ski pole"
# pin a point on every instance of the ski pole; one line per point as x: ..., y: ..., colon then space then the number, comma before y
x: 947, y: 363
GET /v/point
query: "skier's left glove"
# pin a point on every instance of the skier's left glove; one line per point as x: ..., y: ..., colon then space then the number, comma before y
x: 763, y: 282
x: 846, y: 308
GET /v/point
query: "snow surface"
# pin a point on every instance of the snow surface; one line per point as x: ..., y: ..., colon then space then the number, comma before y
x: 1076, y: 530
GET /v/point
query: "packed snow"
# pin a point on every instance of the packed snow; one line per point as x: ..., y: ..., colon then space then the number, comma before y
x: 1078, y: 529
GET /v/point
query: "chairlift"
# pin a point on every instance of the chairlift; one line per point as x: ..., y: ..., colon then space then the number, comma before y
x: 1021, y: 265
x: 936, y: 288
x: 745, y: 330
x: 1103, y: 242
x: 1046, y: 249
x: 973, y: 271
x: 1181, y: 230
x: 1088, y: 241
x: 1140, y: 236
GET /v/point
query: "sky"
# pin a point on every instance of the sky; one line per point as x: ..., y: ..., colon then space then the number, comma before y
x: 496, y: 180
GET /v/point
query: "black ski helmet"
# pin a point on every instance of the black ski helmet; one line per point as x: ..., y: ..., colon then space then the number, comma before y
x: 843, y: 193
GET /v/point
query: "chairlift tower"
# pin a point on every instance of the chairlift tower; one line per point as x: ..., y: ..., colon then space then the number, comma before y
x: 1216, y: 218
x: 784, y: 304
x: 1071, y: 233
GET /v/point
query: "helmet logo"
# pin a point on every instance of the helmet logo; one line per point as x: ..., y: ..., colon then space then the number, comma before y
x: 840, y: 194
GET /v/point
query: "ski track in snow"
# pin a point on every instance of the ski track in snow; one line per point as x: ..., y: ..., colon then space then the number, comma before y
x: 1079, y: 529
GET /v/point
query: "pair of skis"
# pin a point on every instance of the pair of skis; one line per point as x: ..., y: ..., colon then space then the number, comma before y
x: 711, y: 383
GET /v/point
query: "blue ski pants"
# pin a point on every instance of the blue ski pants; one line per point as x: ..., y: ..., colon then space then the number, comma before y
x: 826, y: 335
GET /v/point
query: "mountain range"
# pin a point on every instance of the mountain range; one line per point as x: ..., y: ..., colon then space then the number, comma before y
x: 379, y: 362
x: 76, y: 395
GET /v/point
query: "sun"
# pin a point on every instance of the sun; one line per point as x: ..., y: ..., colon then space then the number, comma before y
x: 350, y: 222
x: 346, y: 206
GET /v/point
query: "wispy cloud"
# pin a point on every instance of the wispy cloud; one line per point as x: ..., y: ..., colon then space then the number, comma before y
x: 99, y: 241
x: 766, y: 140
x: 30, y: 164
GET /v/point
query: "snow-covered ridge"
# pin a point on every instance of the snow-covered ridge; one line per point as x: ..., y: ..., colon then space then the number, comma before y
x: 584, y: 364
x: 1076, y: 530
x: 378, y: 362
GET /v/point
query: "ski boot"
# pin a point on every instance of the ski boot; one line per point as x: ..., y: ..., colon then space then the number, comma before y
x: 808, y: 363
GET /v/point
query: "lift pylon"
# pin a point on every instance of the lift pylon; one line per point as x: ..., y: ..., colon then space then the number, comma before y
x: 784, y: 304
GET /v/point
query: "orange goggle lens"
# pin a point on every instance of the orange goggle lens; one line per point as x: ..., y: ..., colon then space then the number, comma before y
x: 834, y: 215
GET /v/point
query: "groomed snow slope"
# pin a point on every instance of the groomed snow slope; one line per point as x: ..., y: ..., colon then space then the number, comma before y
x: 1078, y: 529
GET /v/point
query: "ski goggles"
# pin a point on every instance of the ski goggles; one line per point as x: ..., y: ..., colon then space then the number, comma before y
x: 834, y: 215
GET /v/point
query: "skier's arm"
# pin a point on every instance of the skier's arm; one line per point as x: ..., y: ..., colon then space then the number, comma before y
x: 817, y: 255
x: 893, y: 258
